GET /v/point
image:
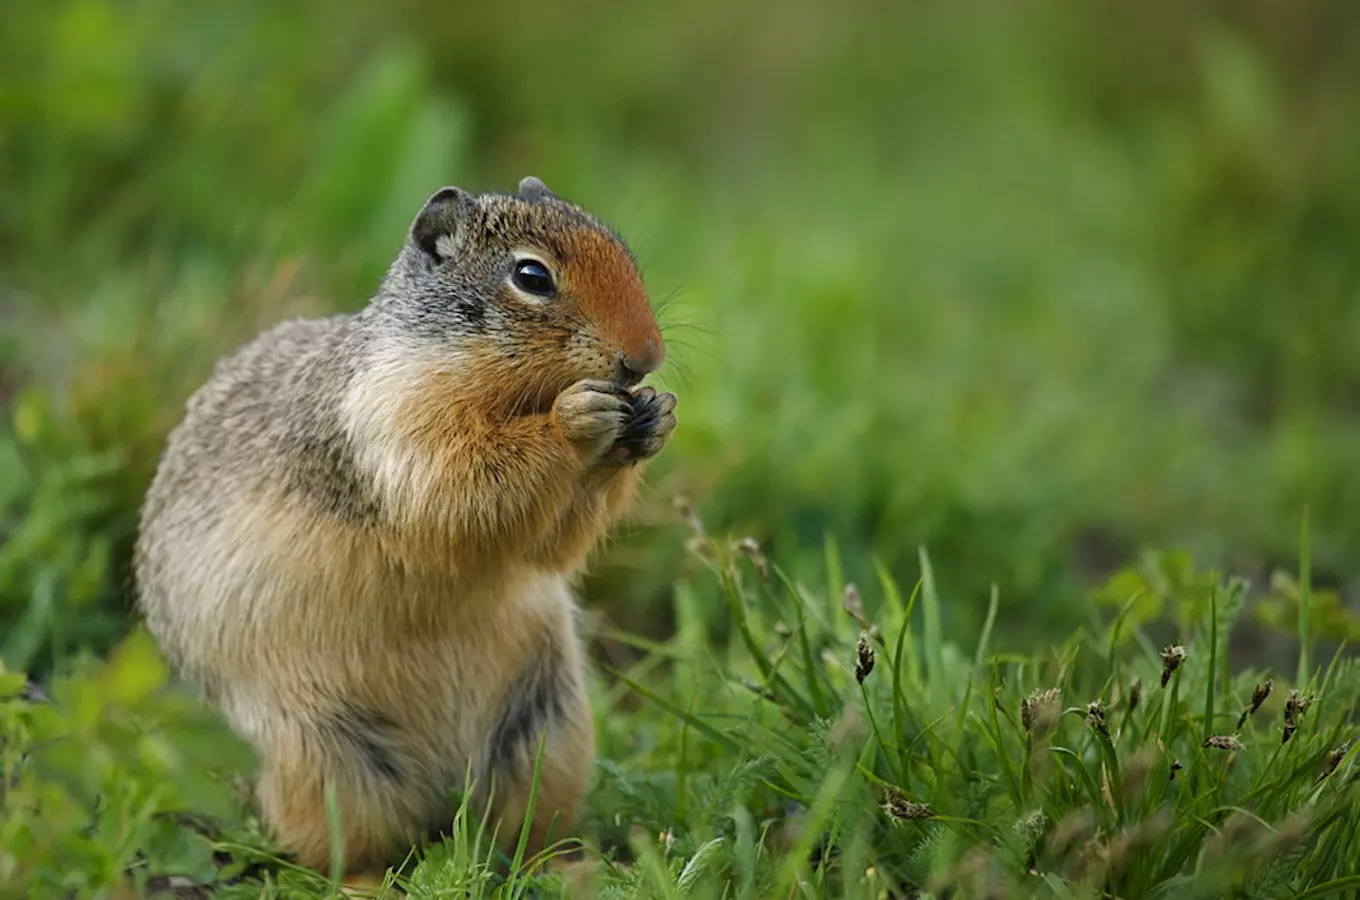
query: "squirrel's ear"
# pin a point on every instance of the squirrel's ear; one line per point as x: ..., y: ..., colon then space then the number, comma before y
x: 533, y: 190
x: 439, y: 217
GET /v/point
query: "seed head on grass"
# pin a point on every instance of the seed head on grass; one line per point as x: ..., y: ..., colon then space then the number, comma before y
x: 698, y: 542
x: 1172, y: 657
x: 1333, y: 760
x: 749, y: 547
x: 1095, y: 717
x: 687, y: 512
x: 1030, y: 828
x: 1040, y: 710
x: 1261, y: 693
x: 864, y: 664
x: 1294, y: 708
x: 1135, y: 694
x: 1258, y: 697
x: 900, y: 809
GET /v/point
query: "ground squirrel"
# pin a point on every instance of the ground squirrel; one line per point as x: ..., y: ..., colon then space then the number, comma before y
x: 361, y: 538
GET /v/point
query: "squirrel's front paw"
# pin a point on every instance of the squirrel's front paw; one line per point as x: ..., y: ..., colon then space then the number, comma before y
x: 649, y: 425
x: 592, y: 415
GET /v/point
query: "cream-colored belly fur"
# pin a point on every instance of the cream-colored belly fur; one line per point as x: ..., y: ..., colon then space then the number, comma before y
x: 298, y: 626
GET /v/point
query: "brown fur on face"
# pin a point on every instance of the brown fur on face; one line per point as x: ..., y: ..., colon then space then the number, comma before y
x: 453, y: 288
x: 601, y: 279
x: 361, y: 537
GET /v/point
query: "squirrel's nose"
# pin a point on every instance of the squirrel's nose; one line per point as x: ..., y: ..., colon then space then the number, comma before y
x: 630, y: 369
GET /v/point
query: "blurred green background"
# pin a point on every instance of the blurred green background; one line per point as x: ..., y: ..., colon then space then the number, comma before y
x: 1033, y: 285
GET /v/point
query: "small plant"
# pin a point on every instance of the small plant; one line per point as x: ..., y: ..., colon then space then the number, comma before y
x: 101, y: 779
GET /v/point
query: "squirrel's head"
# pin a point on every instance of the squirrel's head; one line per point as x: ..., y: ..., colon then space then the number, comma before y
x: 532, y: 290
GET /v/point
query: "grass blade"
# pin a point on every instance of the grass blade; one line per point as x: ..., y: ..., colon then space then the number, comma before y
x: 933, y: 632
x: 1331, y: 887
x: 335, y: 832
x: 983, y: 641
x: 1305, y: 595
x: 1212, y: 679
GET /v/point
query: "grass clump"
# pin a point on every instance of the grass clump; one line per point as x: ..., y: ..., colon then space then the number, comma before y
x: 891, y: 762
x: 838, y: 746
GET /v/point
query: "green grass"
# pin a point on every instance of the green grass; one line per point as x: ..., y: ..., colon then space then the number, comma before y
x: 838, y: 747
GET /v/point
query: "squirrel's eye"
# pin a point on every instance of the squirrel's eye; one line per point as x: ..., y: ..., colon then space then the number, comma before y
x: 532, y: 277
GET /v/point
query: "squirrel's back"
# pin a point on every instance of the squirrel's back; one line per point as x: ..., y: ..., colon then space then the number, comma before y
x: 268, y: 412
x: 266, y: 423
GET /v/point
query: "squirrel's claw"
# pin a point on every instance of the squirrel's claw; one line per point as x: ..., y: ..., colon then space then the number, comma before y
x: 647, y: 429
